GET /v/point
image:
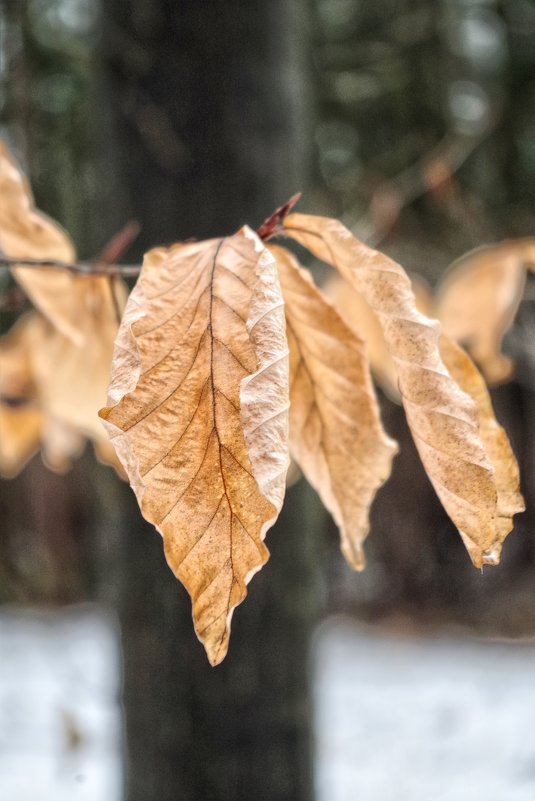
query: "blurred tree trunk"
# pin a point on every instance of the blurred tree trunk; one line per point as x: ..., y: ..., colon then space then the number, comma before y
x: 205, y: 100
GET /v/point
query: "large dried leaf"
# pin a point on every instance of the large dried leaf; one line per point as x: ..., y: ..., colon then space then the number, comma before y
x: 497, y: 444
x: 198, y: 408
x: 27, y: 233
x: 70, y: 351
x: 363, y: 321
x: 478, y: 298
x: 55, y: 388
x: 73, y: 379
x: 26, y: 424
x: 443, y: 419
x: 66, y: 299
x: 336, y: 434
x: 21, y: 419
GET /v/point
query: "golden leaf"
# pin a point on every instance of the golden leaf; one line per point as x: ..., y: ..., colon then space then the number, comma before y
x: 478, y: 298
x: 336, y: 434
x: 67, y: 351
x: 53, y: 389
x: 198, y: 408
x: 21, y: 420
x: 27, y: 233
x: 72, y: 380
x: 443, y: 419
x: 496, y: 442
x: 363, y: 321
x: 358, y: 315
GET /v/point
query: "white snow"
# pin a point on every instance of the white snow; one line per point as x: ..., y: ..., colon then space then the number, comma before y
x: 408, y: 719
x: 396, y: 718
x: 60, y: 720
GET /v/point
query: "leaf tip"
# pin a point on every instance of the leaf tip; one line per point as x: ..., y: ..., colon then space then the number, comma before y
x: 354, y: 555
x: 492, y: 555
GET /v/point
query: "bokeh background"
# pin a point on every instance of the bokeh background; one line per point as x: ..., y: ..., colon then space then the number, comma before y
x: 414, y: 122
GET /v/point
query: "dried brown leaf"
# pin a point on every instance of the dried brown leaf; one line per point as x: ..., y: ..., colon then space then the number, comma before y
x: 20, y: 433
x: 27, y: 233
x: 21, y: 420
x: 74, y: 304
x: 336, y: 434
x: 496, y: 442
x: 198, y: 407
x: 26, y: 425
x: 72, y: 380
x: 478, y: 298
x: 54, y: 388
x: 443, y: 419
x: 358, y: 315
x: 363, y: 321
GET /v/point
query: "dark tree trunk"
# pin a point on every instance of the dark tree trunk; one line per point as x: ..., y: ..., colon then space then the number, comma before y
x: 207, y: 101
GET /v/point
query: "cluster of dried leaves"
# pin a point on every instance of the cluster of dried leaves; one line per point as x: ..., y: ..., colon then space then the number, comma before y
x: 55, y: 361
x: 228, y: 360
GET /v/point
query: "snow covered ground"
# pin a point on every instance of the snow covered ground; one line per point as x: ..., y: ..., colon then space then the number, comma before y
x: 60, y: 720
x: 407, y: 719
x: 397, y: 718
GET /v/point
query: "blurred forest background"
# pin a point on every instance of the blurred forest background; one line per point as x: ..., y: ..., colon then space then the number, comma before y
x: 414, y: 122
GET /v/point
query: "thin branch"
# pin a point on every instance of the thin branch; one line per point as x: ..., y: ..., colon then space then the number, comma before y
x: 81, y: 268
x: 119, y: 243
x: 411, y: 183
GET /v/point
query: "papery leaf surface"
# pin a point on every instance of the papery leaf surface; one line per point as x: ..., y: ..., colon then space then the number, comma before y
x: 21, y: 420
x: 336, y: 434
x: 477, y: 301
x: 496, y: 441
x: 443, y: 419
x: 54, y: 388
x: 363, y: 321
x: 27, y: 233
x: 198, y: 414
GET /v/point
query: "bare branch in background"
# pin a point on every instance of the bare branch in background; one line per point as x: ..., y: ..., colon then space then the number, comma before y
x: 80, y: 268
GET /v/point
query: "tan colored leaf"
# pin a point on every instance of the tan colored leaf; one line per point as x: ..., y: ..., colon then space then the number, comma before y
x: 20, y: 433
x: 67, y: 300
x: 336, y: 434
x: 72, y: 380
x: 198, y: 407
x: 53, y: 388
x: 497, y: 444
x: 20, y: 416
x: 478, y: 298
x: 358, y: 315
x: 25, y: 426
x: 443, y: 419
x: 27, y: 233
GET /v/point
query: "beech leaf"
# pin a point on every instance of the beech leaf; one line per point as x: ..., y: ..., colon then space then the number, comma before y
x: 497, y: 445
x: 478, y: 298
x: 363, y: 321
x: 21, y: 420
x: 336, y: 434
x: 54, y: 388
x: 72, y: 380
x: 198, y: 414
x: 27, y: 233
x: 26, y: 425
x: 443, y: 419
